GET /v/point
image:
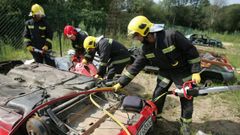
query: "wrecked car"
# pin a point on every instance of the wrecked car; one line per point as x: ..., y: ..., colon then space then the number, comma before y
x: 42, y: 100
x: 204, y: 40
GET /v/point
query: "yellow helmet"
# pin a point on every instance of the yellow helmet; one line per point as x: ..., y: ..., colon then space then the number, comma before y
x: 89, y: 42
x: 37, y: 10
x: 139, y: 24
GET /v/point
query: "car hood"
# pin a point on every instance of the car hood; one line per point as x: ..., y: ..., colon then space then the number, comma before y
x: 26, y: 86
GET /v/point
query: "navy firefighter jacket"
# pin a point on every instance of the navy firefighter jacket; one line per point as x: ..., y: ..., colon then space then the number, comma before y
x: 37, y: 34
x: 78, y: 43
x: 171, y: 51
x: 111, y: 52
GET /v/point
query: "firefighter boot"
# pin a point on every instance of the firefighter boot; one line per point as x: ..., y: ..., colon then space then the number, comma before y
x: 185, y: 126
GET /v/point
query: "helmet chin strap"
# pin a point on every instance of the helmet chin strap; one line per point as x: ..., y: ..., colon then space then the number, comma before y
x: 146, y: 39
x: 37, y: 18
x: 155, y: 38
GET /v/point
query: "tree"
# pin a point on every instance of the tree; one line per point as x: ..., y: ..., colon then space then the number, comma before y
x: 230, y: 18
x: 219, y: 3
x: 12, y: 21
x: 202, y: 15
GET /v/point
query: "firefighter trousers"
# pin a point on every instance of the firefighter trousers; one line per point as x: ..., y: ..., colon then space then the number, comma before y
x: 164, y: 82
x: 45, y: 59
x: 115, y: 69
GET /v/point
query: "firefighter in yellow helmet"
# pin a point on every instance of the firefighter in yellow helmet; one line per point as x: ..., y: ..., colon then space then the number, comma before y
x: 177, y: 59
x: 113, y: 55
x: 38, y: 35
x: 37, y: 10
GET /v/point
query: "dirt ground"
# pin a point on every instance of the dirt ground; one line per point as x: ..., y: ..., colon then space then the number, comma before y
x: 212, y: 114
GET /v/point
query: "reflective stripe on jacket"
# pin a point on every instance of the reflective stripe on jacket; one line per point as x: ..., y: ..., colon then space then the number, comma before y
x: 111, y: 52
x: 172, y: 51
x: 37, y: 34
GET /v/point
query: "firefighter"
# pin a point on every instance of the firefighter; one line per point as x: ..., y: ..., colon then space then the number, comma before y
x: 176, y: 57
x: 38, y: 35
x: 113, y: 55
x: 77, y: 37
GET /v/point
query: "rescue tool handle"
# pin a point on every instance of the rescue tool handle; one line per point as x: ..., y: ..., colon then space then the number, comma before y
x: 40, y: 51
x: 189, y: 84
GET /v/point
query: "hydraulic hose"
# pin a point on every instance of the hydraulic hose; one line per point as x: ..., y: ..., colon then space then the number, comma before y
x: 157, y: 98
x: 110, y: 115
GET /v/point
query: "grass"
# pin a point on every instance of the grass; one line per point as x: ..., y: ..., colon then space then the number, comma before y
x: 233, y: 38
x: 66, y: 45
x: 123, y: 39
x: 233, y: 53
x: 9, y: 53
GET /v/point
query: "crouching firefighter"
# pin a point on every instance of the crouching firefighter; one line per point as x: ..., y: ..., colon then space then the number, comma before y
x: 176, y: 57
x: 38, y: 35
x: 113, y: 55
x: 77, y: 37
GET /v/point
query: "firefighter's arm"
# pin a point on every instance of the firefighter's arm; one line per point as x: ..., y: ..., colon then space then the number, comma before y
x: 192, y: 55
x: 49, y: 36
x: 105, y: 51
x: 132, y: 71
x: 89, y: 56
x: 27, y: 38
x: 189, y: 50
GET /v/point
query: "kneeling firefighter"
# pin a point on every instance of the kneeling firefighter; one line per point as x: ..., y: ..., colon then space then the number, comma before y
x: 177, y: 59
x: 77, y: 36
x: 113, y: 55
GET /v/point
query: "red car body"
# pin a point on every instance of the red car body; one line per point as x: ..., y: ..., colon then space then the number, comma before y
x: 14, y: 114
x: 145, y: 122
x: 7, y: 120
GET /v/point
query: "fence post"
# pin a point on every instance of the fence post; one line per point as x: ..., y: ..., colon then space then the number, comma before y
x: 60, y: 41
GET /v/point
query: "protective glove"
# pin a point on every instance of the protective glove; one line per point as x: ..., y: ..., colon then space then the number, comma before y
x: 196, y: 77
x: 84, y: 61
x: 98, y: 77
x: 45, y: 48
x: 117, y: 87
x: 30, y: 48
